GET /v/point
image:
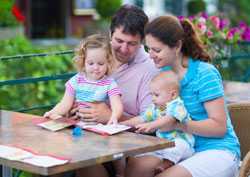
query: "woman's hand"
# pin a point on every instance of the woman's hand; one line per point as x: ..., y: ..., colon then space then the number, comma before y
x: 94, y: 112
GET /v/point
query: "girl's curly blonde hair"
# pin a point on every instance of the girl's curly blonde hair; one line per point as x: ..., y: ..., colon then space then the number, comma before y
x: 93, y: 42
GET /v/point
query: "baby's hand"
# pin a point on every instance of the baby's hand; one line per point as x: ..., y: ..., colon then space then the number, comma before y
x: 145, y: 128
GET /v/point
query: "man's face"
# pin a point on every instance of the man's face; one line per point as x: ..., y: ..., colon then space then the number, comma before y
x: 124, y: 46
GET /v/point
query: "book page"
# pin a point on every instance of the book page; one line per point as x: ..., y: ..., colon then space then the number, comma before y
x: 105, y: 129
x: 13, y: 153
x: 17, y: 154
x: 44, y: 161
x: 58, y: 124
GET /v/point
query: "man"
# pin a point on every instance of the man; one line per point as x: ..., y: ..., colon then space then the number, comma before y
x: 133, y: 69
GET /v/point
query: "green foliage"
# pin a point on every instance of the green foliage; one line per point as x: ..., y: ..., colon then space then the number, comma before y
x: 237, y: 66
x: 106, y: 8
x: 196, y: 6
x: 236, y: 10
x: 28, y: 95
x: 6, y: 17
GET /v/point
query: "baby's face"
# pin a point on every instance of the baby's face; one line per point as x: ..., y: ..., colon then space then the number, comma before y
x: 161, y: 95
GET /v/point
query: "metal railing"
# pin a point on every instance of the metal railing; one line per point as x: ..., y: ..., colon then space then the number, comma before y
x: 242, y: 54
x: 32, y: 80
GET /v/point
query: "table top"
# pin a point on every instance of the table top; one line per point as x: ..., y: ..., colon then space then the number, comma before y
x: 237, y: 92
x: 18, y: 129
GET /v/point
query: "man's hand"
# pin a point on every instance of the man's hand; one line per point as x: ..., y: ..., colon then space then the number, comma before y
x: 94, y: 112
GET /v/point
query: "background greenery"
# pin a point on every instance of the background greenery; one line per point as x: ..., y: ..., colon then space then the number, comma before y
x: 6, y: 17
x: 236, y: 10
x: 28, y: 95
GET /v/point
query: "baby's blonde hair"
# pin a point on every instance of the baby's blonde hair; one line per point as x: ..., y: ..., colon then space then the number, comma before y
x: 93, y: 42
x: 166, y: 79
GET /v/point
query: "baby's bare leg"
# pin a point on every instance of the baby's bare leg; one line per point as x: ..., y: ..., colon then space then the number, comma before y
x: 163, y: 166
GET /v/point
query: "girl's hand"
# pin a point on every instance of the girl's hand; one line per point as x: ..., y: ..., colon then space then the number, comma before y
x: 52, y: 115
x: 112, y: 121
x: 47, y: 114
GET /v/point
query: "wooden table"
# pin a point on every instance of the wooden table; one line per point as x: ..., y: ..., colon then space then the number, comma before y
x: 237, y: 92
x: 89, y: 149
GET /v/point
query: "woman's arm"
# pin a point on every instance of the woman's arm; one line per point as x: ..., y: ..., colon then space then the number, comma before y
x: 116, y: 107
x: 214, y: 126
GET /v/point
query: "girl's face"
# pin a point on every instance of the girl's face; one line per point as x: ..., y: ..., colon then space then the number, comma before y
x: 96, y: 64
x: 162, y: 54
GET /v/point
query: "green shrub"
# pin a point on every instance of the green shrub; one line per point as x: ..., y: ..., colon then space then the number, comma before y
x: 106, y: 8
x: 6, y: 17
x: 28, y: 95
x: 196, y: 6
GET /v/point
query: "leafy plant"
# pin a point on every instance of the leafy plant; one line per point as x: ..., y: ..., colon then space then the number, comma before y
x: 6, y: 16
x: 217, y: 34
x: 106, y: 8
x: 28, y: 95
x: 196, y: 6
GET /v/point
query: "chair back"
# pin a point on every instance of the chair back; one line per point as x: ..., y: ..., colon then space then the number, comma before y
x: 240, y: 116
x: 245, y: 166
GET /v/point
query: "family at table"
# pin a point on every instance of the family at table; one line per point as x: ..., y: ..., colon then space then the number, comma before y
x: 171, y: 89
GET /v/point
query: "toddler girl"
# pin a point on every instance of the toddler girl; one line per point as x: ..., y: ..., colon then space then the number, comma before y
x: 92, y: 82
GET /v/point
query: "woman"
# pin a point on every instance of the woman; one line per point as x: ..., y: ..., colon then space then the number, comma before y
x: 174, y: 44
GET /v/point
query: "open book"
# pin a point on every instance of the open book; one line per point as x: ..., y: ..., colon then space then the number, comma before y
x: 57, y: 124
x: 18, y: 154
x: 103, y: 129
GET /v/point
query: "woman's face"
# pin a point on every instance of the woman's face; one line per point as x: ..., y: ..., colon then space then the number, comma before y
x: 161, y: 53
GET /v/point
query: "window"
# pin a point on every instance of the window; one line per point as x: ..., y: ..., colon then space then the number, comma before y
x: 84, y: 7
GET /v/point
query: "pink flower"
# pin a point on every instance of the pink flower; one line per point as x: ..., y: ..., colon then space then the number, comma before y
x: 181, y: 18
x: 230, y: 35
x: 191, y: 18
x: 216, y: 21
x: 223, y: 23
x: 209, y: 34
x: 202, y: 20
x: 204, y: 15
x: 242, y: 25
x: 202, y: 27
x: 246, y: 34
